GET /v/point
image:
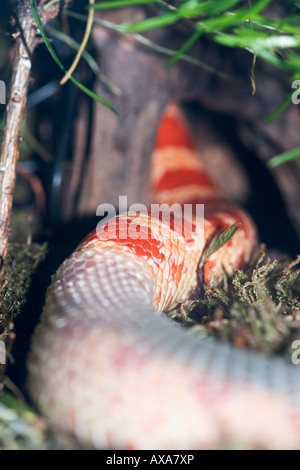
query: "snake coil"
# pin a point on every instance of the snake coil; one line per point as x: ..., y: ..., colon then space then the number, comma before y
x: 108, y: 367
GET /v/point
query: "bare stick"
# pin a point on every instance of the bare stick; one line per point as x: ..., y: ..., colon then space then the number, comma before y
x: 25, y: 43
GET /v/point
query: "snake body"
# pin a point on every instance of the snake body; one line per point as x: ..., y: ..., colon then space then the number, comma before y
x: 107, y: 366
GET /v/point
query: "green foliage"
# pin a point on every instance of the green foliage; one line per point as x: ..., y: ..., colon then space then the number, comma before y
x: 249, y: 25
x: 233, y: 24
x: 20, y: 427
x: 236, y: 24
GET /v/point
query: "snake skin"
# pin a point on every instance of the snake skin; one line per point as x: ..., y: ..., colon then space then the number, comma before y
x: 107, y: 366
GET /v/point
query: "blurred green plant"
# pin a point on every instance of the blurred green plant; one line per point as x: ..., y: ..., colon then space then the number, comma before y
x: 246, y: 24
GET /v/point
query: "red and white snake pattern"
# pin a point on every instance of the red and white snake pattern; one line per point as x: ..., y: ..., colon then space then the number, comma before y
x: 108, y: 367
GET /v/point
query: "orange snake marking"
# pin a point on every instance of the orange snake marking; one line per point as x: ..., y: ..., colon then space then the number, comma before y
x: 106, y: 367
x: 172, y: 131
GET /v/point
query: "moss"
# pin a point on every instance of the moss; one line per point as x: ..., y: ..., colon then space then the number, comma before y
x: 21, y: 263
x: 21, y: 427
x: 257, y: 308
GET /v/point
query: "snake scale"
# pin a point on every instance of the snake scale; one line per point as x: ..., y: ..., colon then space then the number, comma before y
x: 108, y: 367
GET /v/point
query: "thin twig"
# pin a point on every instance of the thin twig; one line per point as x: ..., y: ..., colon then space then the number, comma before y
x: 25, y: 43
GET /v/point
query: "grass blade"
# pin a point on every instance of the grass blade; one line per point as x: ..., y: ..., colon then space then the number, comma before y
x: 284, y: 157
x: 150, y: 23
x: 279, y: 109
x: 83, y: 44
x: 87, y: 57
x: 218, y: 241
x: 120, y: 4
x: 60, y: 65
x: 184, y: 48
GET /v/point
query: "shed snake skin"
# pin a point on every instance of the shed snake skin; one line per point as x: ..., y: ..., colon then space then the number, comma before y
x: 108, y: 367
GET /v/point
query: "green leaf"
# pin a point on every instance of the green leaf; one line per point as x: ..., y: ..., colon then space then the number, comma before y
x: 120, y: 3
x: 264, y: 47
x: 190, y: 9
x: 194, y: 9
x: 284, y: 25
x: 184, y: 48
x: 218, y: 241
x: 284, y: 157
x: 258, y: 43
x: 222, y: 5
x: 279, y: 109
x: 22, y: 408
x: 218, y: 24
x: 258, y: 7
x: 150, y: 23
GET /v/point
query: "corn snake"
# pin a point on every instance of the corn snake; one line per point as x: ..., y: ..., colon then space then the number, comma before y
x: 106, y: 366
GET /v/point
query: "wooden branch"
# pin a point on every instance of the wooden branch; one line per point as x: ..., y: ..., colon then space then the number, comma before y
x: 25, y: 43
